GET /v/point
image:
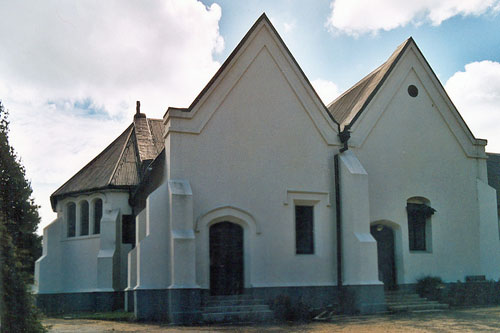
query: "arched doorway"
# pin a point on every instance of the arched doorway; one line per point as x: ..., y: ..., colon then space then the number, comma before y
x: 384, y: 236
x: 226, y: 259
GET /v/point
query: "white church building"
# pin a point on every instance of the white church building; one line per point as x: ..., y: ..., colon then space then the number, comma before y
x: 258, y: 188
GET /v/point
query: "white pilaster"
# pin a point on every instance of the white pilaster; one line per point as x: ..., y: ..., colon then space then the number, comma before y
x: 359, y: 250
x: 107, y: 259
x: 183, y: 247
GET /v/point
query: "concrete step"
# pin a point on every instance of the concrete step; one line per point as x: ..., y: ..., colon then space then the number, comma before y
x: 399, y: 292
x: 238, y: 317
x: 235, y: 308
x: 417, y: 307
x: 401, y: 297
x: 404, y: 301
x: 229, y: 297
x: 234, y: 302
x: 409, y: 303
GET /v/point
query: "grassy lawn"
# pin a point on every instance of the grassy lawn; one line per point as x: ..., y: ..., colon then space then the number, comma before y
x: 110, y: 316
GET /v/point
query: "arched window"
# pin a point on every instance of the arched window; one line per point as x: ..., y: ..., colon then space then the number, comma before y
x: 419, y: 224
x: 71, y: 218
x: 97, y: 215
x: 84, y: 218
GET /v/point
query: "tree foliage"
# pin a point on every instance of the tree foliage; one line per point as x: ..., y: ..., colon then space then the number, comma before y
x: 19, y: 313
x: 17, y: 207
x: 19, y: 245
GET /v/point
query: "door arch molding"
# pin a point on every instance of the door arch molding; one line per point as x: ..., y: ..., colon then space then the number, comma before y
x: 230, y: 214
x: 202, y: 227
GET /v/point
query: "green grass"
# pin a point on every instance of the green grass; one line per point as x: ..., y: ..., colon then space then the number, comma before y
x: 110, y: 316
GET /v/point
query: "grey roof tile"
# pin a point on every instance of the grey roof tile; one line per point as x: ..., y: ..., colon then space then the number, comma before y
x: 121, y: 163
x: 348, y: 106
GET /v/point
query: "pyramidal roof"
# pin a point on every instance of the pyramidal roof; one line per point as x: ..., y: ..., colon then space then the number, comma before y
x: 348, y: 106
x: 121, y: 164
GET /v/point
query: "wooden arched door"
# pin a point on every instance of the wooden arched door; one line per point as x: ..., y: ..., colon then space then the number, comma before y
x: 226, y: 259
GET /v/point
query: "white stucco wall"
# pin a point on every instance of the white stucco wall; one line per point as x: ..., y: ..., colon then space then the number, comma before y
x: 413, y: 149
x: 359, y: 263
x: 488, y: 231
x: 48, y: 266
x: 153, y: 247
x: 259, y: 153
x: 70, y: 264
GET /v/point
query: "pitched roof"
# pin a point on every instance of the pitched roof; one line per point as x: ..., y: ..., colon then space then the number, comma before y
x: 348, y: 106
x: 120, y: 165
x: 493, y: 165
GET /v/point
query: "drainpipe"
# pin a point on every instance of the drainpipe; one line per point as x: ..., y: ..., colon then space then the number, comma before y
x: 339, y: 223
x: 344, y: 136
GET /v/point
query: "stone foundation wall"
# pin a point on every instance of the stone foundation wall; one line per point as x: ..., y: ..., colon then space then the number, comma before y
x: 80, y: 302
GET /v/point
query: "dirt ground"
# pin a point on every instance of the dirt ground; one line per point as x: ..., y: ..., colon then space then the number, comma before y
x: 457, y: 320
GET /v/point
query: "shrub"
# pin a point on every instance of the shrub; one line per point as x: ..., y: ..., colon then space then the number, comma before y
x: 18, y: 312
x: 281, y: 307
x: 457, y: 294
x: 285, y: 311
x: 430, y: 287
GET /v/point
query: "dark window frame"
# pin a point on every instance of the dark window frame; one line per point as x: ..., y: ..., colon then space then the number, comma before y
x: 128, y: 229
x: 84, y: 218
x: 71, y: 219
x: 304, y: 229
x: 418, y: 219
x: 97, y: 215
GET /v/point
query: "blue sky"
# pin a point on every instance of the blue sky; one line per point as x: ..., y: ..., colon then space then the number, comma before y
x: 346, y: 59
x: 70, y: 72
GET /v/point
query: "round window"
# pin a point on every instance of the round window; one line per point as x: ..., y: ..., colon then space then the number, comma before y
x: 412, y: 90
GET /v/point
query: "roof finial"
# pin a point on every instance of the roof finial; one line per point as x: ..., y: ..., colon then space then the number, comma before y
x: 138, y: 107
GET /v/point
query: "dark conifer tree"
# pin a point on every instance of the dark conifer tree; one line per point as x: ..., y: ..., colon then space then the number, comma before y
x: 18, y: 241
x: 17, y: 206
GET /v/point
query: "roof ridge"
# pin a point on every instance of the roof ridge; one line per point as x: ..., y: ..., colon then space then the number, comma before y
x: 93, y: 160
x: 365, y: 90
x: 144, y: 139
x: 110, y: 169
x: 366, y: 77
x: 224, y: 64
x: 120, y: 158
x: 228, y: 60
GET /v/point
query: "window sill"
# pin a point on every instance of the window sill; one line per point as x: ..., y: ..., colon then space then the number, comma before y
x: 81, y: 237
x: 420, y: 252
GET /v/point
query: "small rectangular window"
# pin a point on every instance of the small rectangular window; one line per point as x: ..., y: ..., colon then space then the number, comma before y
x: 416, y: 232
x: 84, y: 218
x: 97, y: 216
x: 418, y: 220
x: 71, y: 211
x: 128, y: 229
x: 304, y: 236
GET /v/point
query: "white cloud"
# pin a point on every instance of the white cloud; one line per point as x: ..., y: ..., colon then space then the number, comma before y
x: 327, y: 90
x: 476, y: 94
x: 356, y: 17
x: 289, y: 26
x: 71, y: 71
